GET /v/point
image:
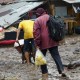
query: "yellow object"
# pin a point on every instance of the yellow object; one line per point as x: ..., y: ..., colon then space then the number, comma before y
x: 27, y: 26
x: 40, y: 79
x: 39, y: 58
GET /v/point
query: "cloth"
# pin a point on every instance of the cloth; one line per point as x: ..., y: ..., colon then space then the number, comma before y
x: 41, y: 35
x: 7, y: 42
x: 27, y: 26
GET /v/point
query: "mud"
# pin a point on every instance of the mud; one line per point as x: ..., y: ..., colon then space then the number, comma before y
x: 11, y: 67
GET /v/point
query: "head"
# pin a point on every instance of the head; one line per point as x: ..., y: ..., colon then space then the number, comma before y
x: 40, y: 11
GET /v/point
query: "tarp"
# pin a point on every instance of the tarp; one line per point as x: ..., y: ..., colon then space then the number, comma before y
x: 7, y: 42
x: 76, y: 8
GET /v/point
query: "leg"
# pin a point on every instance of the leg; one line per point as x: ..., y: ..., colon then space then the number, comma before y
x: 55, y: 55
x: 27, y: 57
x: 23, y: 56
x: 44, y: 68
x: 26, y: 50
x: 33, y: 48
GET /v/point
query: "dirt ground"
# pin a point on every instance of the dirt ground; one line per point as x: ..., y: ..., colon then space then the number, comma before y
x: 11, y: 67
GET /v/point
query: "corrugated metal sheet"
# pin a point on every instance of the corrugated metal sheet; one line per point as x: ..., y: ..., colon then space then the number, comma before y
x: 11, y: 1
x: 72, y: 1
x: 12, y: 12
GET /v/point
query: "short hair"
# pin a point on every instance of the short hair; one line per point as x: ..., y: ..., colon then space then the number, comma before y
x: 40, y: 11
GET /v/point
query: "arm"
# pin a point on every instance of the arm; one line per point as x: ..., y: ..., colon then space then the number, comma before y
x: 18, y: 32
x: 37, y: 33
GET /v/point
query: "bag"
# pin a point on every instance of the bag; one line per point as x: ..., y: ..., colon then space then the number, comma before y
x: 39, y: 58
x: 56, y: 28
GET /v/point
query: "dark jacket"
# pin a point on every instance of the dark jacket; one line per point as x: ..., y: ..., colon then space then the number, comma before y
x: 41, y: 35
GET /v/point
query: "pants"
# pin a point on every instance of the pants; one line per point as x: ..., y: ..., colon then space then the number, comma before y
x: 55, y: 55
x: 29, y: 45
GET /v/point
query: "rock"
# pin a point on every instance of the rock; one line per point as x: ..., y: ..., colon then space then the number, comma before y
x: 2, y: 77
x: 77, y: 51
x: 11, y: 78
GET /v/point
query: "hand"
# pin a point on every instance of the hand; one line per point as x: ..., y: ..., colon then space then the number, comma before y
x: 16, y: 40
x: 37, y: 47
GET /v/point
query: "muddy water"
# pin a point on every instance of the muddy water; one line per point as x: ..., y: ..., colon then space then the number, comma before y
x: 12, y: 69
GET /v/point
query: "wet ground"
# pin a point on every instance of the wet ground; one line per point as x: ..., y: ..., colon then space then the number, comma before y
x: 11, y: 67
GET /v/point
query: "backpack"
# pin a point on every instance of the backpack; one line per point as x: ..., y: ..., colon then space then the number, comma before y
x: 56, y: 28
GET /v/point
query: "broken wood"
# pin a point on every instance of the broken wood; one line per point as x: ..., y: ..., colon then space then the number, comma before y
x: 73, y: 64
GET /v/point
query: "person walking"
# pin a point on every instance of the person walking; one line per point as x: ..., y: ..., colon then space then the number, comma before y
x: 44, y: 42
x: 27, y: 26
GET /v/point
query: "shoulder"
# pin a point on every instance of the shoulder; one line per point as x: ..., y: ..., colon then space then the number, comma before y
x: 22, y: 21
x: 30, y: 21
x: 42, y: 17
x: 45, y: 16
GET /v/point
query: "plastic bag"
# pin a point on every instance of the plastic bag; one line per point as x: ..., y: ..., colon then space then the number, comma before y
x: 39, y: 58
